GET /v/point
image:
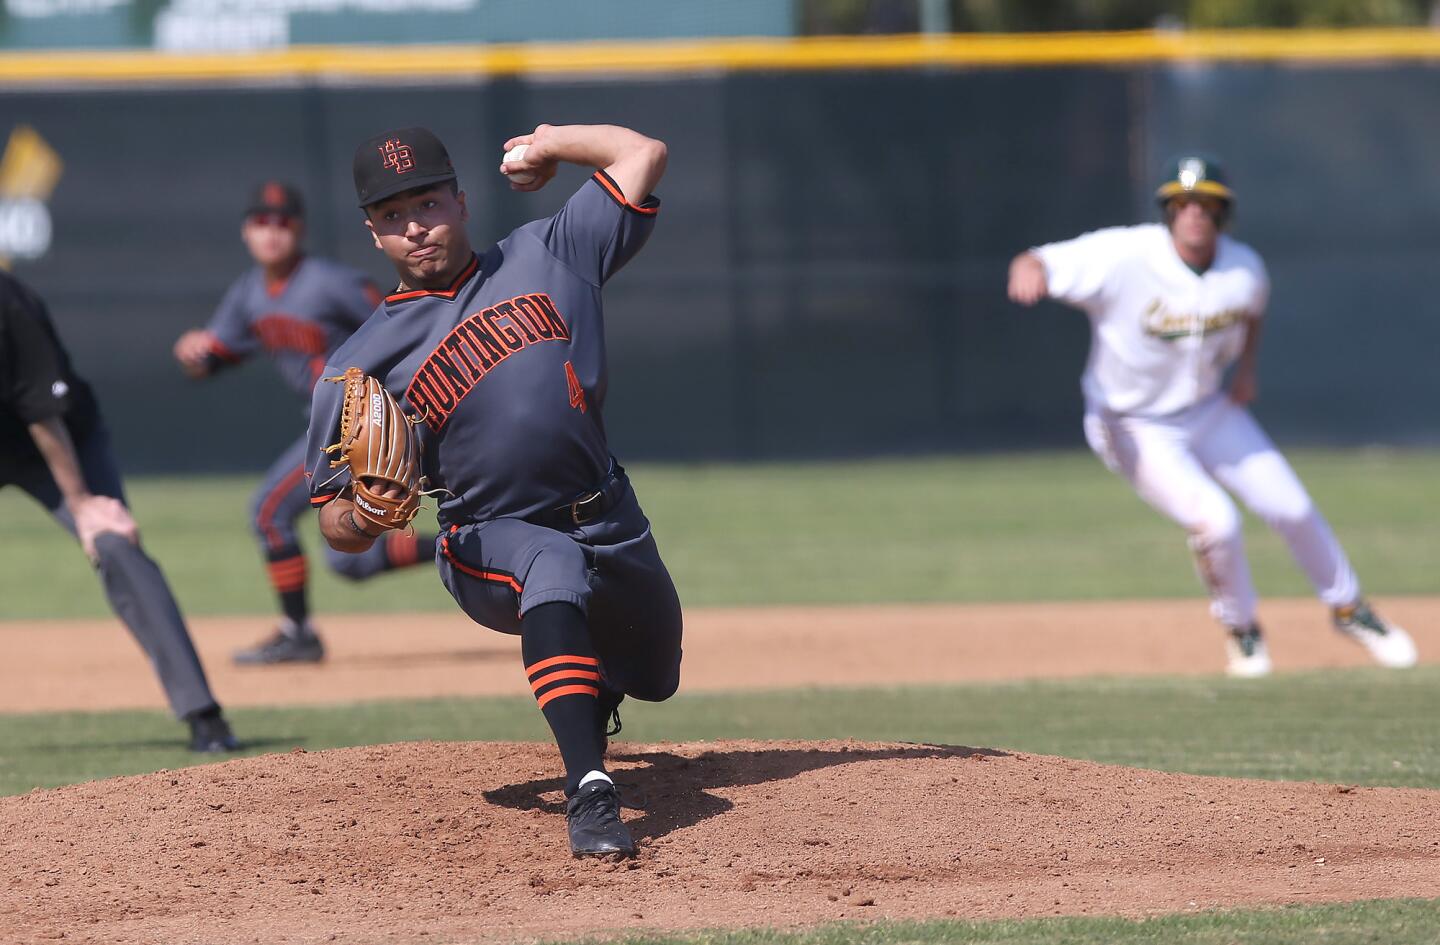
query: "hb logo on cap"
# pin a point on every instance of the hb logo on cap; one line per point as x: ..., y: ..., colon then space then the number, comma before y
x: 395, y: 155
x: 414, y: 155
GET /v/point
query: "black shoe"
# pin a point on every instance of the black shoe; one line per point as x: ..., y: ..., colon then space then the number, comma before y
x: 607, y: 713
x: 210, y: 734
x: 300, y: 647
x: 593, y: 816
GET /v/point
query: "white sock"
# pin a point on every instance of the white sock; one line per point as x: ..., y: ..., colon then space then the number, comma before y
x: 595, y: 776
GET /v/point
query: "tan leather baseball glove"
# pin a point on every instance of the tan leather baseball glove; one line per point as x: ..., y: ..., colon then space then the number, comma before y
x: 378, y: 443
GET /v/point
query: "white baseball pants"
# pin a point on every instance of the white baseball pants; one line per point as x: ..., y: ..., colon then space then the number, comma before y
x: 1183, y: 464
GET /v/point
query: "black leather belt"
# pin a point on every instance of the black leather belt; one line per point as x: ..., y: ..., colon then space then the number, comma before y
x: 586, y: 507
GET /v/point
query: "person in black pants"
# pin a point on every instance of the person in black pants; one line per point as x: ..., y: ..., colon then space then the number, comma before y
x: 54, y: 445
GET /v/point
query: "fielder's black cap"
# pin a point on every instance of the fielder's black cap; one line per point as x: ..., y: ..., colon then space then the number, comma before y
x: 397, y: 161
x: 274, y: 196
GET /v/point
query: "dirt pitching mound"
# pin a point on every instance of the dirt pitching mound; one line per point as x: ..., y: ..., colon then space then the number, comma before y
x: 465, y: 842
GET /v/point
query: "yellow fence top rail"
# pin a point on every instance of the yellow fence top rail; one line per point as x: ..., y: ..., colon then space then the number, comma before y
x: 969, y: 50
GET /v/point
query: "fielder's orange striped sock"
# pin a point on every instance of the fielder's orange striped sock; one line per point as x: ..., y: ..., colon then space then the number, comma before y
x: 290, y: 575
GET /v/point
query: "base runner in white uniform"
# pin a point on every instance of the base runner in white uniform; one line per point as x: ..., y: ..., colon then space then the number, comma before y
x: 1172, y: 307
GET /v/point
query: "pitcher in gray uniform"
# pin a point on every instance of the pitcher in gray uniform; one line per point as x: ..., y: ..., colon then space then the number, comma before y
x: 54, y: 445
x: 501, y: 358
x: 297, y: 309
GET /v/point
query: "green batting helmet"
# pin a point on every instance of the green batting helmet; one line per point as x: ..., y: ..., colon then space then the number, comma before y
x: 1194, y: 174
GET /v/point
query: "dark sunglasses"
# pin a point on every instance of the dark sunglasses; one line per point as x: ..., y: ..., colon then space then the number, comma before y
x: 272, y: 219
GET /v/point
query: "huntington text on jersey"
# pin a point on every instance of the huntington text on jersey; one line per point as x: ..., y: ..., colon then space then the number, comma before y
x: 473, y: 349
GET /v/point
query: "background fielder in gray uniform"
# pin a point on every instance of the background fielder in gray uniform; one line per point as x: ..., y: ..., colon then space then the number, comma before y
x: 296, y: 309
x: 54, y: 445
x: 502, y: 357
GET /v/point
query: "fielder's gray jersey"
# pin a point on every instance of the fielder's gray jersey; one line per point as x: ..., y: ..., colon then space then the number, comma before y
x: 505, y: 367
x: 298, y: 321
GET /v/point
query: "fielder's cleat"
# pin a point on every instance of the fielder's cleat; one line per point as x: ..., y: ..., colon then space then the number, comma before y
x: 1388, y: 645
x: 593, y: 816
x: 1247, y: 654
x: 210, y: 734
x: 284, y: 646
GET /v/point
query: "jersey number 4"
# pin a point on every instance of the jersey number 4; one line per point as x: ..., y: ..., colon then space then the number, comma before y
x: 577, y: 393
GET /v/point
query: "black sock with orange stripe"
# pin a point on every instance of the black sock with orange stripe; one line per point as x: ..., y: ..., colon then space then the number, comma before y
x: 289, y: 575
x: 565, y: 677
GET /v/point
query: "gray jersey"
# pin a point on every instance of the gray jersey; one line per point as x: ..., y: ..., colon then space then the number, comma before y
x: 505, y: 367
x: 298, y: 321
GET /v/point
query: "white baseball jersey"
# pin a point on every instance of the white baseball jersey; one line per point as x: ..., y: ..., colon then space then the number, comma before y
x: 1161, y: 335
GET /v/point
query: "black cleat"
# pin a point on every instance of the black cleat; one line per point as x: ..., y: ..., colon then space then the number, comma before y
x: 300, y: 647
x: 593, y: 816
x: 210, y: 734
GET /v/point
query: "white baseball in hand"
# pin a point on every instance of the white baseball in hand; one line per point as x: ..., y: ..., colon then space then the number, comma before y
x: 517, y: 153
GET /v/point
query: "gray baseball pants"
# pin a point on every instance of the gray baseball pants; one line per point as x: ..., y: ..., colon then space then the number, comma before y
x: 135, y: 586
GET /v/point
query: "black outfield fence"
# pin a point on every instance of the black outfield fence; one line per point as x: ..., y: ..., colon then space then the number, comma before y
x: 827, y: 275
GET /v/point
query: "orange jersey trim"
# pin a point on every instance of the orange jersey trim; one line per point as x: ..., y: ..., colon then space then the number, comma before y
x: 567, y: 691
x: 222, y: 351
x: 319, y: 500
x: 494, y: 577
x: 266, y: 518
x: 449, y: 293
x: 618, y: 195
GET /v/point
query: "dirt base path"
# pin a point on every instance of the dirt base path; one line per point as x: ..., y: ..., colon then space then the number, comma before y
x: 95, y: 665
x: 464, y: 842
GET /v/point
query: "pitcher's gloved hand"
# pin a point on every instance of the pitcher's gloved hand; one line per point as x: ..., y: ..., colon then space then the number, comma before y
x: 379, y: 444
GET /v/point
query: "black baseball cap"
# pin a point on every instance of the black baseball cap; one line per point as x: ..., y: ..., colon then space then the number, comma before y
x: 399, y: 160
x: 273, y: 196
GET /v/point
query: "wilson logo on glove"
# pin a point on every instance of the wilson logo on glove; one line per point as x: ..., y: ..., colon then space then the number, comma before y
x: 380, y: 446
x: 368, y: 507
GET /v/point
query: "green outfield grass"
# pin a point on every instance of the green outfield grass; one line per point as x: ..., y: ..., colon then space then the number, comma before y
x: 1030, y: 526
x: 1365, y: 726
x: 1393, y: 922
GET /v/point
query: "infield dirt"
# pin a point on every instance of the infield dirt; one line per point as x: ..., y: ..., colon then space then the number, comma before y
x: 94, y: 664
x: 465, y: 842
